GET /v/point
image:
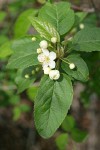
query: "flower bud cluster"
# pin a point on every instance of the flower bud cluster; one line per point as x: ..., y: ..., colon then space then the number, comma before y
x: 47, y: 59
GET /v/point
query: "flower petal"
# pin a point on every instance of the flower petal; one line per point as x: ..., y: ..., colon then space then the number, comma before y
x: 41, y: 57
x: 52, y: 55
x: 52, y: 64
x: 45, y: 52
x: 45, y: 64
x: 46, y: 70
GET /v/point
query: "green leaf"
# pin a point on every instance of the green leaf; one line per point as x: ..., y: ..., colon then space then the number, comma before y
x: 45, y: 29
x: 14, y: 100
x: 68, y: 124
x: 87, y: 40
x: 22, y: 23
x: 52, y: 104
x: 59, y: 15
x: 5, y: 49
x: 80, y: 72
x: 62, y: 141
x: 32, y: 92
x: 24, y: 108
x: 22, y: 82
x: 79, y: 17
x: 79, y: 135
x: 16, y: 113
x: 25, y: 54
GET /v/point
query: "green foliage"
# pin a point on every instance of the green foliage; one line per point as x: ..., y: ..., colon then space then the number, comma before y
x: 79, y: 17
x: 18, y: 110
x: 25, y: 53
x: 22, y: 23
x: 62, y: 141
x: 22, y: 82
x: 59, y: 15
x: 78, y: 135
x: 5, y: 49
x: 32, y: 92
x: 15, y: 99
x: 81, y: 70
x: 68, y: 123
x: 51, y: 108
x: 45, y: 29
x: 16, y: 113
x: 87, y: 40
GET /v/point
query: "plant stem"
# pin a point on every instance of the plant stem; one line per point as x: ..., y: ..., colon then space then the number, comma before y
x: 65, y: 61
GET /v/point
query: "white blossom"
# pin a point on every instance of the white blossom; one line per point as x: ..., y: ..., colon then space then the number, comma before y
x: 49, y: 60
x: 53, y: 39
x: 72, y: 66
x: 46, y: 70
x: 44, y: 44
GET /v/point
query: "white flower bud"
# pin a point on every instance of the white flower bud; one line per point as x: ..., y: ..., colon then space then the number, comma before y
x: 43, y: 44
x: 33, y: 39
x: 41, y: 57
x: 81, y: 26
x: 37, y: 69
x: 54, y: 74
x: 39, y: 50
x: 26, y: 76
x: 53, y: 39
x: 46, y: 70
x: 72, y: 66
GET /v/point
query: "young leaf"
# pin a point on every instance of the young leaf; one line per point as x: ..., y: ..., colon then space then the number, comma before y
x: 52, y: 104
x: 87, y: 40
x: 59, y: 15
x: 68, y: 123
x: 32, y: 92
x: 45, y: 29
x: 62, y: 141
x: 24, y: 53
x: 79, y: 17
x: 78, y: 135
x: 80, y: 72
x: 22, y: 23
x: 23, y: 82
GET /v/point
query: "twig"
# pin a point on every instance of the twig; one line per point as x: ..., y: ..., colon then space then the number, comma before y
x: 77, y: 8
x: 95, y: 9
